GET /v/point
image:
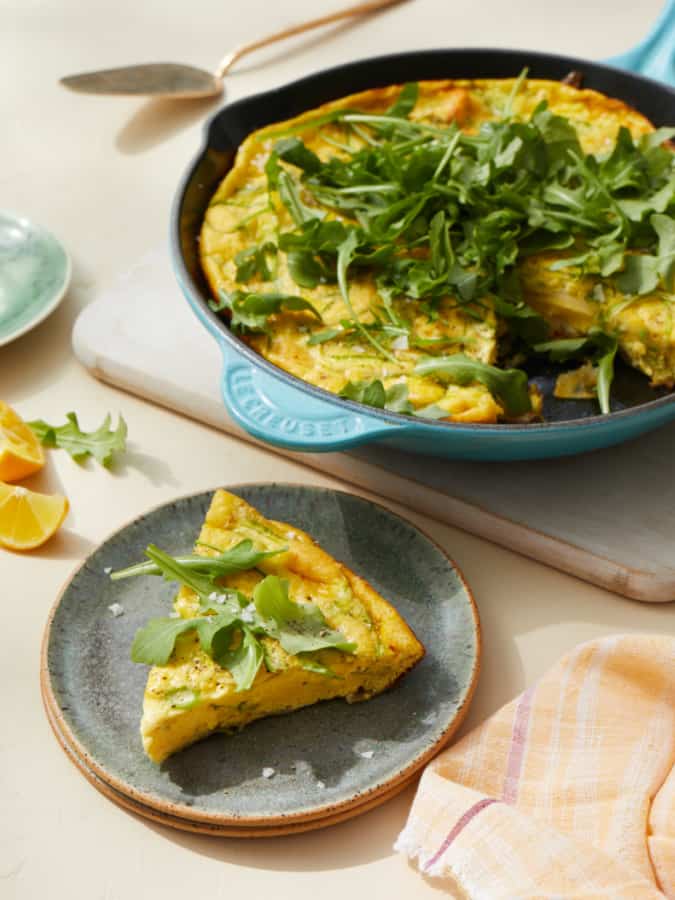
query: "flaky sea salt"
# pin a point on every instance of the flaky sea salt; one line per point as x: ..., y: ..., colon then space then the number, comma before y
x: 248, y: 613
x: 116, y: 609
x: 267, y: 772
x: 107, y: 570
x: 321, y: 785
x: 366, y: 754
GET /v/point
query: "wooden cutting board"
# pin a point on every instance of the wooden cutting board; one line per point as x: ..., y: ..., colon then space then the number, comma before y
x: 607, y: 516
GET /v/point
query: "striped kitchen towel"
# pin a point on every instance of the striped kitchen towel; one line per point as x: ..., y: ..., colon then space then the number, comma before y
x: 567, y: 792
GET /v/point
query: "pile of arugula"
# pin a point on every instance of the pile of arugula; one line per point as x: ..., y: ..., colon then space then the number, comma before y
x: 434, y: 213
x: 229, y: 624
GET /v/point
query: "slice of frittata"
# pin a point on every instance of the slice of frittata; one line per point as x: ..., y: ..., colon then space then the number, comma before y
x: 572, y: 303
x: 192, y: 696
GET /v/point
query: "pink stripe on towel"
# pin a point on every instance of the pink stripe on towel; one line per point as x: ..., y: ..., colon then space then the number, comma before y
x: 459, y: 826
x: 514, y: 765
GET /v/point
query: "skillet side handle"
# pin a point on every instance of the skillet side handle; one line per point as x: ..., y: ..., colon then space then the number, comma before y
x: 654, y: 56
x: 286, y: 417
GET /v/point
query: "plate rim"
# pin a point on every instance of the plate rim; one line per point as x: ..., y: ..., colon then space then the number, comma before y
x: 182, y: 811
x: 191, y: 826
x: 58, y: 295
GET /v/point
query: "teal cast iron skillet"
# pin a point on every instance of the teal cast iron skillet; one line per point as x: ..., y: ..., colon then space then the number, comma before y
x: 279, y: 408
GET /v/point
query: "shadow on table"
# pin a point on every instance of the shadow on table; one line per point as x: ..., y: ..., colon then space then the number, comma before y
x: 156, y: 121
x: 364, y: 839
x: 47, y: 345
x: 155, y: 469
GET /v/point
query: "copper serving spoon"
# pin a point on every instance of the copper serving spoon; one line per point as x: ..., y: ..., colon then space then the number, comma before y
x: 173, y: 80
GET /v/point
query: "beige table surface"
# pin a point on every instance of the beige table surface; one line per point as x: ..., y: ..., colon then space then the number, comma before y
x: 101, y: 174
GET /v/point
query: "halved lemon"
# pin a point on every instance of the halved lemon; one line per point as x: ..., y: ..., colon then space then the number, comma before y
x: 28, y: 519
x: 21, y: 453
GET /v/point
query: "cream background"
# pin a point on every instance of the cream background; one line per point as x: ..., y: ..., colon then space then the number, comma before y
x: 101, y: 174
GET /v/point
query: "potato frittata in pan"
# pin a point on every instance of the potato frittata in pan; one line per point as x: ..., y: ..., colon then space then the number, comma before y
x: 415, y: 248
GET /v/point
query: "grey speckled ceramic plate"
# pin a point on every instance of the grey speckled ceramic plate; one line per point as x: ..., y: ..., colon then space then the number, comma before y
x: 95, y: 692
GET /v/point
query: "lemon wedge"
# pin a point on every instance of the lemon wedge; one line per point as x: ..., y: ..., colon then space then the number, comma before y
x: 28, y: 519
x: 21, y: 453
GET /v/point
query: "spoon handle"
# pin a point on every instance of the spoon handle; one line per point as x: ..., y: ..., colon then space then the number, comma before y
x: 358, y: 9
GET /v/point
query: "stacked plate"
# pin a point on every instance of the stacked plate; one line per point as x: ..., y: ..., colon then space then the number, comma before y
x: 308, y: 769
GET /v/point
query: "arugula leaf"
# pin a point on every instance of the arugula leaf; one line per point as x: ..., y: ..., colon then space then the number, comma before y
x: 640, y: 274
x: 102, y: 444
x: 251, y: 311
x: 304, y: 268
x: 299, y: 628
x: 600, y: 346
x: 664, y: 226
x: 243, y: 661
x: 605, y: 377
x: 201, y: 581
x: 290, y: 197
x: 433, y: 412
x: 405, y: 102
x: 373, y: 393
x: 656, y: 138
x: 508, y: 386
x: 523, y: 321
x: 280, y: 180
x: 153, y: 644
x: 230, y: 628
x: 562, y: 349
x: 293, y: 150
x: 238, y: 558
x: 272, y: 601
x: 346, y: 253
x: 321, y: 337
x: 252, y: 262
x: 396, y: 399
x: 643, y: 272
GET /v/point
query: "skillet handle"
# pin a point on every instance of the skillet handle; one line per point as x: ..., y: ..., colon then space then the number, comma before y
x: 280, y: 414
x: 654, y: 56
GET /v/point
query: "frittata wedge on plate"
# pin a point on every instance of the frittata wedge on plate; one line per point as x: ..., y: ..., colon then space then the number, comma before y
x: 192, y: 696
x: 416, y: 282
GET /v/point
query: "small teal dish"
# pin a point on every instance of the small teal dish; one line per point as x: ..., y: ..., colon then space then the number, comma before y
x: 327, y: 758
x: 34, y: 275
x: 282, y: 410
